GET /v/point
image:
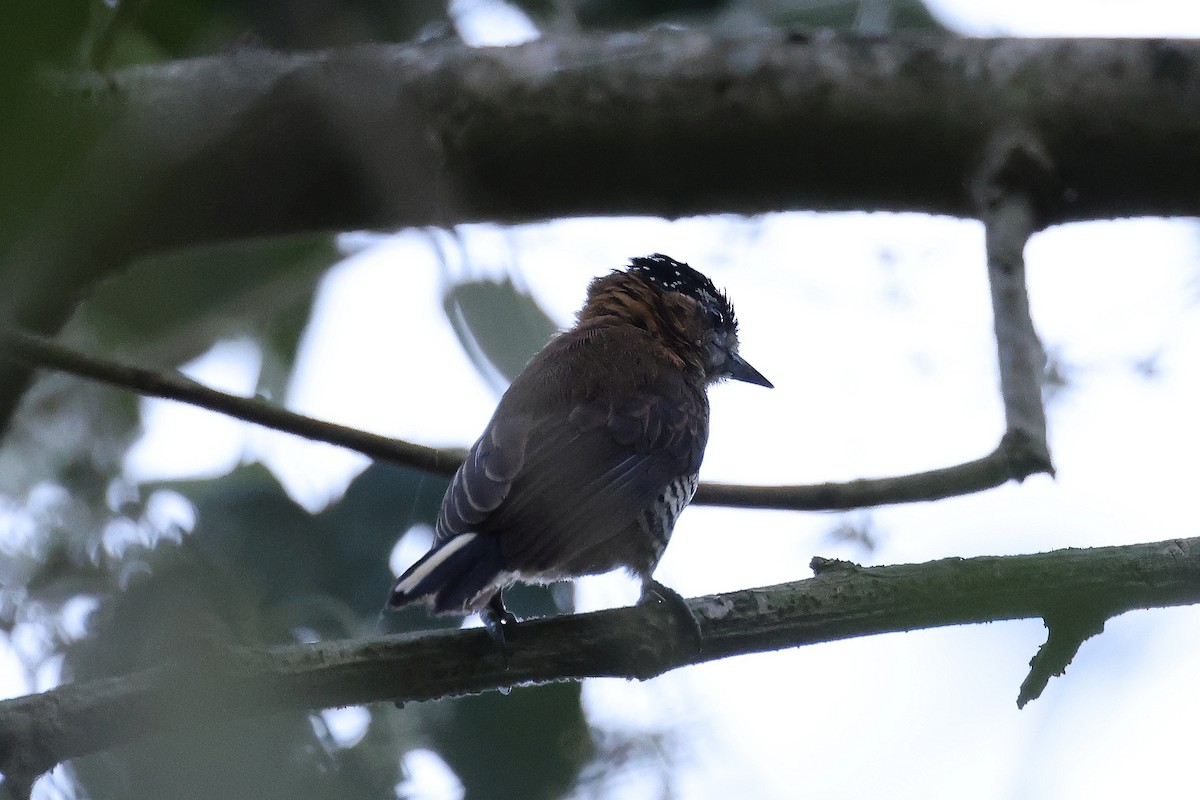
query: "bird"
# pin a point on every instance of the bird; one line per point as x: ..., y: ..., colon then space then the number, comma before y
x: 593, y: 451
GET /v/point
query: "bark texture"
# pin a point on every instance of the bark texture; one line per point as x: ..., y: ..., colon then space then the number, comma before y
x: 843, y: 601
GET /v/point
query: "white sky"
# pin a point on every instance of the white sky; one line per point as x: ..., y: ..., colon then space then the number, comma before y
x: 876, y: 333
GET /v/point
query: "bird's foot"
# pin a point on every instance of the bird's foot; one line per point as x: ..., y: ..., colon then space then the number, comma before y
x: 655, y: 592
x: 498, y: 621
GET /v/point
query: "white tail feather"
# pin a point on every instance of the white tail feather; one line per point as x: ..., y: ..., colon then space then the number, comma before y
x: 435, y: 559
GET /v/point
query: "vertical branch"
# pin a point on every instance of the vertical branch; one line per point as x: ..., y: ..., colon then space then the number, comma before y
x: 1011, y: 184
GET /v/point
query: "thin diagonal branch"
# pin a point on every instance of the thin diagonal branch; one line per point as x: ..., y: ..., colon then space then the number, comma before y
x: 843, y: 601
x: 988, y: 472
x: 40, y: 352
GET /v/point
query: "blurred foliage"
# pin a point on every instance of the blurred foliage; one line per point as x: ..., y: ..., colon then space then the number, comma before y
x: 61, y: 459
x: 38, y: 32
x: 867, y: 17
x: 337, y: 559
x: 170, y: 307
x: 42, y: 139
x: 857, y: 530
x: 500, y: 326
x: 256, y: 570
x: 530, y: 743
x: 136, y: 31
x: 59, y: 465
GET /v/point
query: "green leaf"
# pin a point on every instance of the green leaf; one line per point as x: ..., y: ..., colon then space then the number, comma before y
x: 171, y: 307
x: 500, y: 326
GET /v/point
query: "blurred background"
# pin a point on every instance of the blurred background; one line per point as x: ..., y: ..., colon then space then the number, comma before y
x: 135, y: 530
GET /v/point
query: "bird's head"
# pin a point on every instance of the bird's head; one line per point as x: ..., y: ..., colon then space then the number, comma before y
x: 679, y: 306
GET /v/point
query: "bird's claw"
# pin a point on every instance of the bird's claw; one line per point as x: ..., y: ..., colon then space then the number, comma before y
x: 655, y: 592
x: 498, y: 620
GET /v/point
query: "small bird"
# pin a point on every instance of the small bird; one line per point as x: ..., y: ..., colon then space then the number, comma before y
x: 593, y: 451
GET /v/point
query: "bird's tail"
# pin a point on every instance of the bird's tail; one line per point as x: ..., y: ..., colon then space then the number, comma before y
x: 456, y: 576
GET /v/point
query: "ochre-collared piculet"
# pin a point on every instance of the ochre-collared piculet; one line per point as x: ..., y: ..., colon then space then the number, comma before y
x: 593, y: 451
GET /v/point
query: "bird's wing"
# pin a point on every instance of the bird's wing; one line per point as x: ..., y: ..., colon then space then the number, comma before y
x: 560, y: 480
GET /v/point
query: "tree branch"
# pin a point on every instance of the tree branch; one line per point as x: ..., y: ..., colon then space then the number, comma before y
x: 777, y: 121
x: 988, y: 472
x: 1066, y: 635
x: 843, y: 601
x: 663, y: 123
x: 1003, y: 464
x: 40, y: 352
x: 1015, y: 182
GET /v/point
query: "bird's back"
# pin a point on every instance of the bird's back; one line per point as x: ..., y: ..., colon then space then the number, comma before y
x: 588, y: 460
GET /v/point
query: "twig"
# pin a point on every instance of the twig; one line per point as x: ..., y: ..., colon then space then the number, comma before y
x: 994, y: 469
x: 38, y: 731
x: 123, y: 13
x: 1012, y: 187
x: 988, y: 472
x: 1066, y: 634
x: 39, y: 352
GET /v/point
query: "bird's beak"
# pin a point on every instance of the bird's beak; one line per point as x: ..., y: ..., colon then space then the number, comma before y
x: 739, y: 370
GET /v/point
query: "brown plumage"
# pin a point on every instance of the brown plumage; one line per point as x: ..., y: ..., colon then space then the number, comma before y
x: 593, y: 451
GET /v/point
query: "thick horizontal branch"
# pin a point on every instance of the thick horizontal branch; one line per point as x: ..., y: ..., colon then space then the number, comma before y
x: 842, y: 601
x: 1000, y: 466
x: 665, y: 123
x: 708, y: 124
